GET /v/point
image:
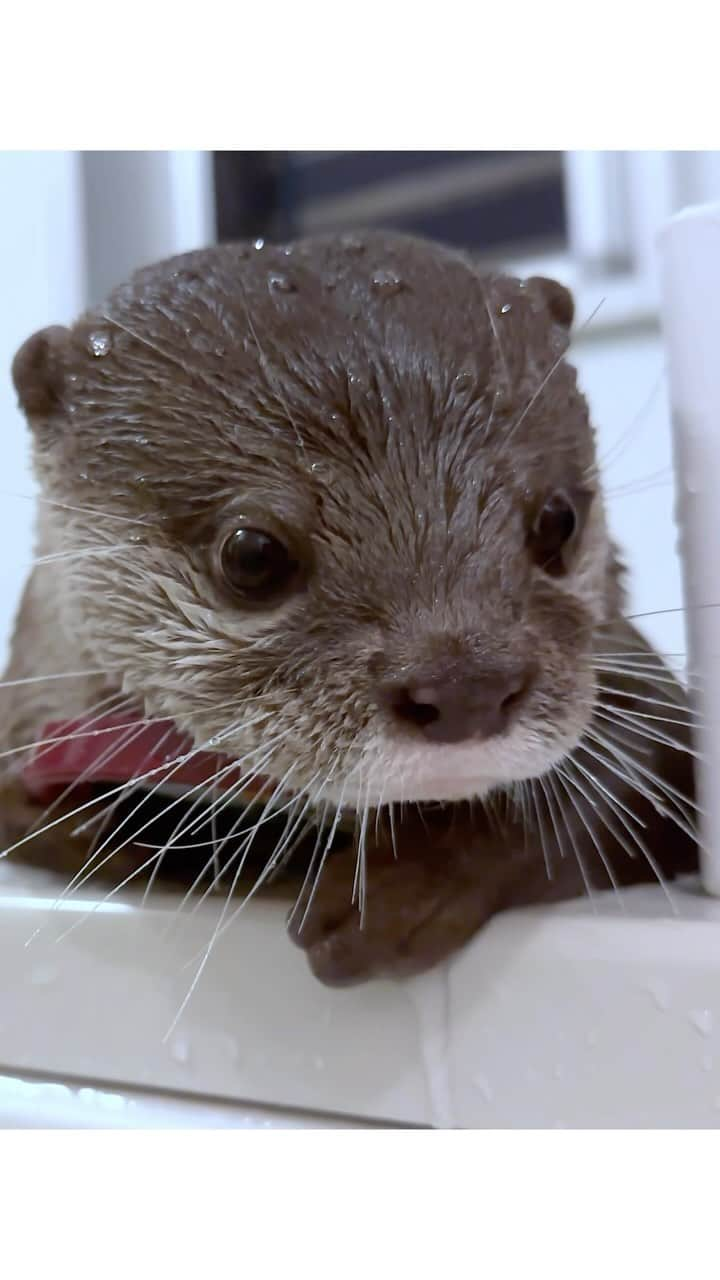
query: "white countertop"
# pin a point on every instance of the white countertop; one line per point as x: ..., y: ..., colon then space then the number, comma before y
x: 562, y: 1016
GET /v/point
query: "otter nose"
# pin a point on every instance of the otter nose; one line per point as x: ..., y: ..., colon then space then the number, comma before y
x: 459, y: 707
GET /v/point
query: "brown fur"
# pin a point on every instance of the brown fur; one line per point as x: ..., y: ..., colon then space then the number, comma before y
x: 399, y: 419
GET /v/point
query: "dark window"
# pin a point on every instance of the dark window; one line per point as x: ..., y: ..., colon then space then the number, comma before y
x: 497, y: 202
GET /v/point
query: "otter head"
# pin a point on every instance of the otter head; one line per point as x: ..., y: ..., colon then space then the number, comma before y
x: 333, y: 509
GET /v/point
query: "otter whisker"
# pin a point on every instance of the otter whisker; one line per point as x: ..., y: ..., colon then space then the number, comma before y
x: 83, y: 553
x: 323, y: 859
x: 632, y: 767
x: 554, y: 781
x: 611, y: 797
x: 567, y: 778
x: 143, y: 800
x: 268, y: 813
x: 556, y: 364
x: 616, y: 805
x: 57, y: 675
x: 361, y: 862
x: 393, y: 841
x: 626, y: 719
x: 278, y: 853
x: 614, y: 452
x: 64, y: 737
x: 89, y: 511
x: 541, y: 831
x: 107, y: 755
x: 216, y: 934
x: 622, y: 748
x: 650, y: 701
x: 613, y: 801
x: 657, y: 613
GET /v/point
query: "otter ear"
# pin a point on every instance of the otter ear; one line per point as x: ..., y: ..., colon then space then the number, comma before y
x: 557, y: 299
x: 38, y: 372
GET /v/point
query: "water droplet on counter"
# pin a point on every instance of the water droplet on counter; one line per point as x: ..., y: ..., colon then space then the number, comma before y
x: 180, y: 1050
x: 99, y: 343
x: 506, y: 306
x: 259, y: 243
x: 702, y: 1020
x: 386, y: 283
x: 281, y: 284
x: 352, y: 244
x: 483, y: 1086
x: 659, y: 994
x: 43, y: 975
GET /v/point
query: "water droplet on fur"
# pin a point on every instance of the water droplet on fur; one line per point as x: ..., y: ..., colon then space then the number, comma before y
x: 281, y: 283
x: 287, y: 249
x: 201, y: 342
x: 506, y: 306
x: 702, y: 1020
x: 386, y: 283
x: 483, y: 1087
x: 329, y: 283
x: 142, y: 439
x: 83, y: 475
x: 141, y: 479
x: 352, y: 244
x: 180, y: 1050
x: 99, y: 343
x: 259, y: 243
x: 316, y: 466
x: 463, y: 380
x: 135, y: 538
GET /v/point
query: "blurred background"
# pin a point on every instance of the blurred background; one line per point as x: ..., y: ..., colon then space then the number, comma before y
x: 74, y: 224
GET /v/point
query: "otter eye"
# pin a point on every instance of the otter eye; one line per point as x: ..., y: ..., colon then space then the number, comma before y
x: 553, y: 529
x: 256, y: 566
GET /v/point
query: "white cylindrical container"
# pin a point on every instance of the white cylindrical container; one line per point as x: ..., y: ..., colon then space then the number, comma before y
x: 690, y: 278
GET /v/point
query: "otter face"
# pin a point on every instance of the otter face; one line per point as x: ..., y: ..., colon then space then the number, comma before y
x: 337, y: 511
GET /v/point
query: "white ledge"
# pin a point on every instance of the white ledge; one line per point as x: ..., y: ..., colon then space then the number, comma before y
x: 552, y: 1017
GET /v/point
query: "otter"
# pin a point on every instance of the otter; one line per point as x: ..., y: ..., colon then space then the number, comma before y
x: 331, y: 511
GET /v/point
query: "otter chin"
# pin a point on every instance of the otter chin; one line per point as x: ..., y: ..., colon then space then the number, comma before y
x: 333, y: 510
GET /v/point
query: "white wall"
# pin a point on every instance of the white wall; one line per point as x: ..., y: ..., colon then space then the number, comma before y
x: 42, y: 275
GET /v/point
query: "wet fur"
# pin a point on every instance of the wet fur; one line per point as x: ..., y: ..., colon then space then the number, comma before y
x: 403, y: 435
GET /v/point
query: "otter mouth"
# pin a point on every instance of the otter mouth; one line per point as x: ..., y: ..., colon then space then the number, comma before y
x: 191, y: 806
x: 115, y: 750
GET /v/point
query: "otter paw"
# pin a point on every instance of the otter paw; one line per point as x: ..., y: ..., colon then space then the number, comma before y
x: 416, y: 912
